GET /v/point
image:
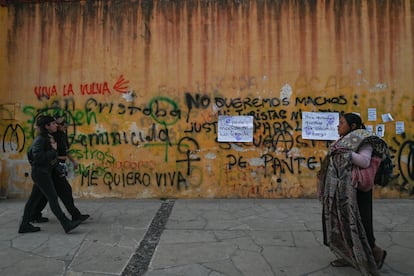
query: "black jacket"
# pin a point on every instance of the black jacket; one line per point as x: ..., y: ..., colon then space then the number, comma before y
x: 41, y: 154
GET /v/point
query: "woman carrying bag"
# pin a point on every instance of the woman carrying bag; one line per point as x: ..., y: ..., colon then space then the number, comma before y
x: 345, y: 185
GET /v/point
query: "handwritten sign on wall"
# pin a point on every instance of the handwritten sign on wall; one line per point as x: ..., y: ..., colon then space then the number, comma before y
x: 320, y: 125
x: 235, y: 128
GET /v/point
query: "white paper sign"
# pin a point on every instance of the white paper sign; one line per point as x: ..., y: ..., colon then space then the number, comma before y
x: 387, y: 118
x: 235, y: 129
x: 372, y: 114
x: 320, y: 125
x: 399, y: 127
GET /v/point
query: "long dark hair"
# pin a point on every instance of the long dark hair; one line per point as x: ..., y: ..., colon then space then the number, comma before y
x: 41, y: 123
x: 352, y: 118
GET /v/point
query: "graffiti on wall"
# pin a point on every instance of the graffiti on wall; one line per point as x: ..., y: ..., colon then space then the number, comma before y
x: 169, y: 142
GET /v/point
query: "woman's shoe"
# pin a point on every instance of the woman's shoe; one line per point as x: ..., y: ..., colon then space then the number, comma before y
x: 81, y: 217
x: 340, y: 263
x: 28, y: 228
x: 379, y: 256
x: 39, y: 220
x: 69, y: 225
x: 381, y: 262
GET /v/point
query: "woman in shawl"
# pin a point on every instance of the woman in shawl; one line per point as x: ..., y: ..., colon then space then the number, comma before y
x: 347, y: 211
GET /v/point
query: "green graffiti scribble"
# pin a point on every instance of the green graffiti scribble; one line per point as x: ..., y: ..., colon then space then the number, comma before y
x: 168, y: 101
x: 84, y: 170
x: 31, y: 111
x: 79, y: 117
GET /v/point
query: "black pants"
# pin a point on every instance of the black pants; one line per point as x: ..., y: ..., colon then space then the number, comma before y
x: 64, y: 191
x: 365, y: 210
x: 43, y: 187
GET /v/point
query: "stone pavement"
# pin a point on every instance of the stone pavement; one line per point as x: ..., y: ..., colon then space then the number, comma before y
x: 195, y: 237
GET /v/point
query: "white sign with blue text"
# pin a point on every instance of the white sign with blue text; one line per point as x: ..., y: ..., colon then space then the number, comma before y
x: 235, y: 129
x: 320, y: 125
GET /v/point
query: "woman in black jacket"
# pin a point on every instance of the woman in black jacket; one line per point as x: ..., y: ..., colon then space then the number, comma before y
x: 42, y: 156
x: 62, y: 186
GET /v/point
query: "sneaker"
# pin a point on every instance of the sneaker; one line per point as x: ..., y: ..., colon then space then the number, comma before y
x: 39, y: 220
x: 81, y: 217
x: 28, y: 228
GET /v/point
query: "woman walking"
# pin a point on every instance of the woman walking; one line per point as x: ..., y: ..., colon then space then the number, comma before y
x: 62, y: 186
x: 42, y: 156
x: 347, y: 207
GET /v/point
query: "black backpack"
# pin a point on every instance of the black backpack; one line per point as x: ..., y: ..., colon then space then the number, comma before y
x: 384, y: 172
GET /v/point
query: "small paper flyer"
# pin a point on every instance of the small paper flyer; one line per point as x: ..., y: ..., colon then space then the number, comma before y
x: 320, y: 125
x: 372, y: 114
x: 380, y: 130
x: 387, y: 118
x: 235, y: 129
x: 399, y: 127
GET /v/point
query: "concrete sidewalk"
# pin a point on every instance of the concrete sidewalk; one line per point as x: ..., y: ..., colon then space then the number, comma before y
x: 195, y: 237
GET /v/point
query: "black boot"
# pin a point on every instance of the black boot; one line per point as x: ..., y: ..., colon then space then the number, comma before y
x: 28, y: 228
x: 69, y: 225
x: 39, y: 219
x: 81, y: 217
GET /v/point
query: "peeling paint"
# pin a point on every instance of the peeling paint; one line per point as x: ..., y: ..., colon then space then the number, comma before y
x: 256, y: 162
x: 286, y: 91
x: 210, y: 156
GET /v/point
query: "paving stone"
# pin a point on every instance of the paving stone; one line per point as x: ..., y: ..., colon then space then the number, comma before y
x: 213, y: 237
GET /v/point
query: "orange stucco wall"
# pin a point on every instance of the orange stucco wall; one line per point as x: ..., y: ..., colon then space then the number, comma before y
x: 142, y: 84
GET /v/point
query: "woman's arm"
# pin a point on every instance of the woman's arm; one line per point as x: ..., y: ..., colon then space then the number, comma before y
x: 362, y: 158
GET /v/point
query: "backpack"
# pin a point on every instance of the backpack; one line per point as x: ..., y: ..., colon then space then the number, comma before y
x: 384, y: 172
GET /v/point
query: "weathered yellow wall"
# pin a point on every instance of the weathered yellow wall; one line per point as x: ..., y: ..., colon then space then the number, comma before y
x: 156, y: 75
